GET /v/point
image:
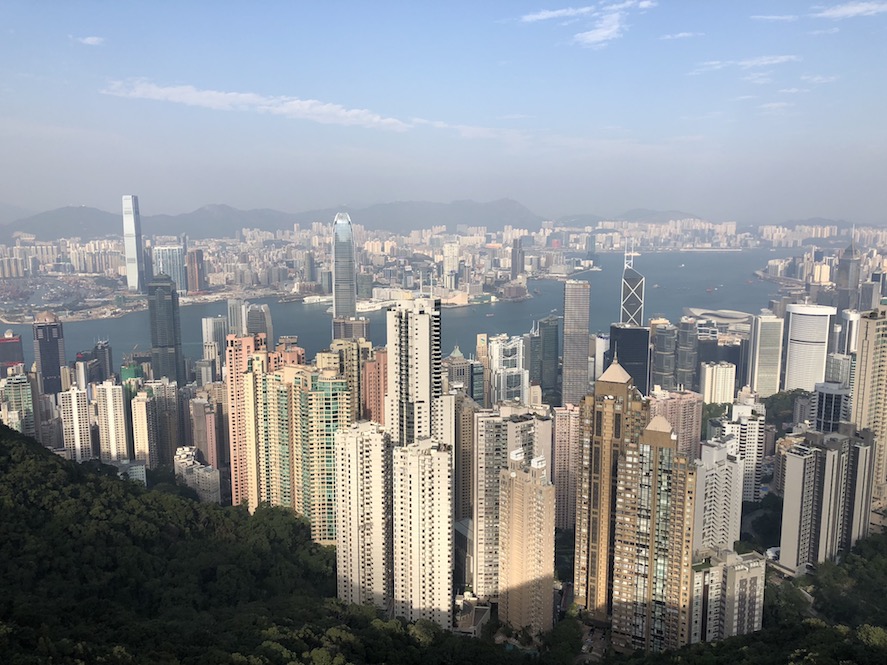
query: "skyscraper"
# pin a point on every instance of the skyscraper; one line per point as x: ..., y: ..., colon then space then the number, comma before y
x: 716, y: 381
x: 631, y: 345
x: 414, y: 368
x: 215, y: 330
x: 567, y: 434
x: 344, y: 272
x: 11, y: 351
x: 170, y: 260
x: 258, y: 320
x: 847, y: 278
x: 665, y: 339
x: 632, y: 309
x: 166, y: 330
x: 113, y: 444
x: 806, y: 345
x: 509, y: 379
x: 74, y: 407
x: 236, y: 324
x: 765, y: 361
x: 548, y: 332
x: 869, y: 402
x: 145, y: 429
x: 683, y: 409
x: 687, y: 354
x: 577, y: 301
x: 195, y: 269
x: 49, y: 352
x: 718, y: 508
x: 133, y: 249
x: 17, y: 401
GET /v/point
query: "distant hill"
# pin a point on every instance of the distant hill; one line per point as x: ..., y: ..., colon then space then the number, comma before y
x: 656, y: 216
x: 9, y: 213
x: 225, y: 221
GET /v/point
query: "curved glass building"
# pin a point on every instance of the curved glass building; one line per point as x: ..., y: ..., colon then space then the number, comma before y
x: 344, y: 275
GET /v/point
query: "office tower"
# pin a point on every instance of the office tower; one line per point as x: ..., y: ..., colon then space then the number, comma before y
x: 166, y: 330
x: 195, y: 270
x: 497, y: 433
x: 716, y: 382
x: 718, y: 509
x: 422, y: 510
x: 665, y: 339
x: 765, y: 354
x: 687, y: 354
x: 869, y: 403
x: 653, y: 548
x: 363, y: 516
x: 567, y: 435
x: 374, y: 385
x: 849, y: 331
x: 215, y: 330
x: 830, y: 406
x: 601, y: 343
x: 728, y: 595
x: 236, y: 323
x: 344, y: 273
x: 615, y: 414
x: 351, y: 327
x: 683, y: 409
x: 631, y: 345
x: 169, y: 417
x: 49, y: 352
x: 464, y: 410
x: 414, y: 368
x: 632, y: 310
x: 112, y: 423
x: 17, y: 400
x: 169, y: 260
x: 145, y: 429
x: 509, y: 379
x: 828, y: 497
x: 517, y: 258
x: 74, y: 408
x: 869, y: 295
x: 103, y: 353
x: 548, y: 332
x: 847, y: 278
x: 526, y: 551
x: 11, y: 351
x: 577, y: 301
x: 258, y: 320
x: 205, y: 428
x: 806, y: 345
x: 839, y: 368
x: 133, y: 249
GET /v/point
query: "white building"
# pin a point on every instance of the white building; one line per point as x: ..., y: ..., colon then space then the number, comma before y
x: 765, y: 354
x: 423, y: 533
x: 869, y: 401
x: 202, y: 478
x: 728, y: 595
x: 145, y: 435
x: 509, y: 379
x: 807, y: 338
x: 717, y: 382
x: 718, y: 507
x: 74, y: 408
x: 132, y: 244
x: 747, y: 426
x: 112, y: 422
x: 363, y: 515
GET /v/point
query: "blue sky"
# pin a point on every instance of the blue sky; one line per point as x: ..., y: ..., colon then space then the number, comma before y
x: 755, y: 111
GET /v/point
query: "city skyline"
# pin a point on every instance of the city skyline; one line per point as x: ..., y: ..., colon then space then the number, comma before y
x: 635, y: 104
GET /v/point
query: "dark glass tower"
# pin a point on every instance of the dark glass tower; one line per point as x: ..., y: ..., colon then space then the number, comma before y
x: 631, y: 344
x: 549, y: 342
x: 687, y: 354
x: 49, y: 352
x: 665, y: 341
x: 166, y: 331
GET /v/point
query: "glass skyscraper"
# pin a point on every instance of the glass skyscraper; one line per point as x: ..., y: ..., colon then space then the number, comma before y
x: 344, y: 275
x: 577, y: 301
x: 132, y: 244
x: 49, y: 352
x: 166, y: 330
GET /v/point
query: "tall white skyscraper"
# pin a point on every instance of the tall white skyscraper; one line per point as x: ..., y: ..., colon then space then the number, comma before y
x: 170, y: 260
x: 145, y: 429
x: 414, y: 368
x: 869, y: 401
x: 765, y: 354
x: 718, y: 506
x: 132, y: 244
x: 423, y: 532
x: 716, y: 382
x: 509, y: 379
x: 806, y: 345
x: 577, y: 301
x: 363, y: 515
x: 74, y: 407
x: 112, y: 422
x: 344, y: 270
x: 746, y: 425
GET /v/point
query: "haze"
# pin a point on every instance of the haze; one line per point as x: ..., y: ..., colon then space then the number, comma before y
x: 754, y: 111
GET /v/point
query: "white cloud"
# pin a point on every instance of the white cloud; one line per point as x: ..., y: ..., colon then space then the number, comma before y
x: 826, y: 31
x: 91, y: 41
x: 767, y: 61
x: 293, y: 107
x: 817, y: 78
x: 547, y: 14
x: 743, y: 98
x: 607, y: 28
x: 758, y: 78
x: 793, y: 91
x: 682, y: 35
x: 852, y: 10
x: 774, y: 108
x: 775, y: 18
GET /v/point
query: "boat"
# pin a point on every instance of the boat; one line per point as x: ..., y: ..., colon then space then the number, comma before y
x: 489, y: 315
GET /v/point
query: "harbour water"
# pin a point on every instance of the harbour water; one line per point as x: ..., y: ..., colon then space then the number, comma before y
x: 674, y: 280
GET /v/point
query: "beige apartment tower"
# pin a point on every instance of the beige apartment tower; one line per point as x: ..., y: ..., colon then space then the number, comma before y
x: 869, y: 403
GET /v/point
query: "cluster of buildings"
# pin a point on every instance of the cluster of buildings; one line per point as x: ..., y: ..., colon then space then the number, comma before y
x: 441, y: 480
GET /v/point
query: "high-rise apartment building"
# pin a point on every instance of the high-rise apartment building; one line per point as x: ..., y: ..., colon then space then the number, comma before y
x: 567, y: 435
x: 113, y: 444
x: 747, y: 425
x: 76, y: 434
x: 344, y: 271
x: 765, y: 354
x: 716, y: 382
x: 683, y: 409
x: 464, y: 411
x: 170, y: 432
x: 829, y: 406
x: 577, y: 302
x: 718, y: 508
x: 807, y: 337
x: 363, y: 517
x: 374, y: 385
x: 49, y: 352
x: 653, y: 542
x: 133, y: 248
x: 145, y: 429
x: 414, y: 368
x: 17, y: 401
x: 615, y: 414
x: 526, y: 550
x: 166, y: 330
x: 169, y: 260
x: 422, y: 511
x: 869, y: 403
x: 728, y: 595
x: 828, y: 497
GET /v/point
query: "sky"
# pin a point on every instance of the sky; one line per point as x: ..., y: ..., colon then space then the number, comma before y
x: 759, y: 112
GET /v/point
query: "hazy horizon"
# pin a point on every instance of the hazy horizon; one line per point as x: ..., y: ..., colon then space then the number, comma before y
x: 759, y: 112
